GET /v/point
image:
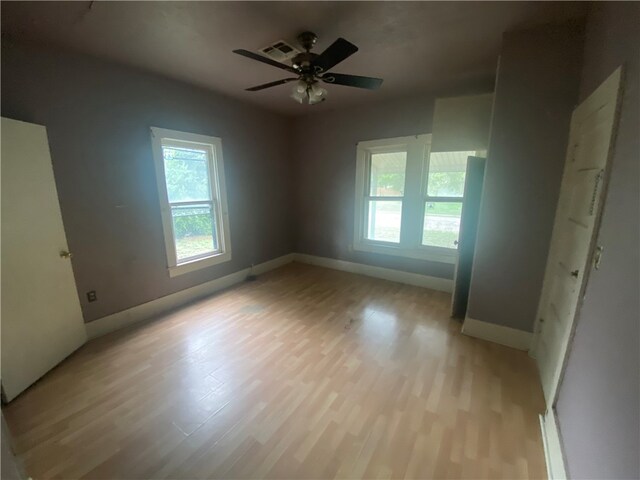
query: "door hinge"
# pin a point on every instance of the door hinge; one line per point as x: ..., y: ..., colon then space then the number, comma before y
x: 597, y: 256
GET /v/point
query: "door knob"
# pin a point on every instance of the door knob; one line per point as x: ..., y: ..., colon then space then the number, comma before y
x: 575, y: 273
x: 65, y: 254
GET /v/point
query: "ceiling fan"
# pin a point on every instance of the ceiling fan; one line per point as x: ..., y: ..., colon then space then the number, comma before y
x: 311, y: 69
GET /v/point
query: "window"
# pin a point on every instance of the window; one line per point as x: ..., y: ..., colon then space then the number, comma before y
x: 386, y: 194
x: 443, y: 200
x: 190, y: 174
x: 409, y: 200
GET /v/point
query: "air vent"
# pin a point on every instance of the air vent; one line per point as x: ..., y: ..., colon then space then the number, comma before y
x: 280, y: 51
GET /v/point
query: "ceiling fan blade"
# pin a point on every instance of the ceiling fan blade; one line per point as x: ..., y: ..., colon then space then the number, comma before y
x: 352, y: 80
x: 260, y: 58
x: 338, y: 51
x: 270, y: 84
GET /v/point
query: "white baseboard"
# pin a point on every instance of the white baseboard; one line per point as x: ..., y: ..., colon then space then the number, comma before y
x: 150, y: 309
x: 433, y: 283
x: 511, y: 337
x: 552, y: 446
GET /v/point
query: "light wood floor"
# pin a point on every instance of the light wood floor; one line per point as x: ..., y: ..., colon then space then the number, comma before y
x: 304, y: 373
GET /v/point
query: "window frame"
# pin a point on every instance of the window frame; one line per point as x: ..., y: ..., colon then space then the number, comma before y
x: 414, y: 201
x: 218, y: 198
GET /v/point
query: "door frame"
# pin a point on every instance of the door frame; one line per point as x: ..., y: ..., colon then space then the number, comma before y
x: 610, y: 89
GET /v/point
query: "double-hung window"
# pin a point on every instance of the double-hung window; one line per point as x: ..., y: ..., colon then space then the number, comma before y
x: 408, y: 200
x: 190, y: 174
x: 443, y: 195
x: 387, y: 171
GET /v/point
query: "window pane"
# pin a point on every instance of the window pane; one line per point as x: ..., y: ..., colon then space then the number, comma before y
x: 187, y: 174
x: 441, y: 224
x: 384, y: 219
x: 194, y: 229
x: 387, y: 174
x: 446, y: 174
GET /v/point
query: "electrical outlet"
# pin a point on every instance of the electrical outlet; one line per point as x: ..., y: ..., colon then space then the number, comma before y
x: 91, y: 296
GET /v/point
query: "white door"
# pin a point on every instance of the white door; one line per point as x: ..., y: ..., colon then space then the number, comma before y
x: 577, y: 216
x: 40, y: 317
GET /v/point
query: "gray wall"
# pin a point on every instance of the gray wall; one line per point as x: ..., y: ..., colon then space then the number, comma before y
x: 599, y: 402
x: 325, y: 161
x: 98, y: 117
x: 536, y: 91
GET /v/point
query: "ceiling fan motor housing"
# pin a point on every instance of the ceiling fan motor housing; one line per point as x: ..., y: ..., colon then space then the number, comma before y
x: 303, y: 63
x: 307, y: 40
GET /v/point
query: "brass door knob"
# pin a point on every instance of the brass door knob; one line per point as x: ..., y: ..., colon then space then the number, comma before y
x: 65, y: 254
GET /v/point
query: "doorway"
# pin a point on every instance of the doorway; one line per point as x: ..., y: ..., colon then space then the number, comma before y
x: 573, y: 252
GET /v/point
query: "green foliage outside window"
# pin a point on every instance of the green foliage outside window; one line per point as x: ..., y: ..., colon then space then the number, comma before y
x: 186, y: 174
x: 390, y: 181
x: 446, y: 184
x: 192, y: 221
x: 441, y: 184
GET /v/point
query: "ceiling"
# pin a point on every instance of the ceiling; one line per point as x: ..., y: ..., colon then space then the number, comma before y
x: 414, y: 46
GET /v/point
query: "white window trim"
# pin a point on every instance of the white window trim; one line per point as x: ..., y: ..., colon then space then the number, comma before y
x: 217, y: 179
x: 410, y: 245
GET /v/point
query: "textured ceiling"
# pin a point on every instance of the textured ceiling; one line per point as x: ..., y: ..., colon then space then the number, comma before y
x: 414, y: 46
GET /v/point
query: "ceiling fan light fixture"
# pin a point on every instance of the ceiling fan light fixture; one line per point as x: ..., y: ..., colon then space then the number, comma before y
x: 300, y: 86
x: 317, y: 94
x: 304, y: 93
x: 299, y: 92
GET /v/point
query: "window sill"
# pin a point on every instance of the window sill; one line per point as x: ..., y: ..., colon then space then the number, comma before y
x: 432, y: 254
x: 198, y: 264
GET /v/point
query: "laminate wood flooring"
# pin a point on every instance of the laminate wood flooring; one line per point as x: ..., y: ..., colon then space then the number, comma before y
x: 305, y: 373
